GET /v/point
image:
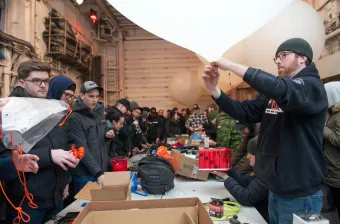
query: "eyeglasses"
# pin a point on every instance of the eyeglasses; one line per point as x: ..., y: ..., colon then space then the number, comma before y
x: 282, y: 56
x: 38, y: 82
x: 68, y: 95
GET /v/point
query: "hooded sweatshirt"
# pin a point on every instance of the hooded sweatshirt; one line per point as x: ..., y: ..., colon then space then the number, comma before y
x: 292, y: 112
x: 333, y: 93
x: 58, y: 85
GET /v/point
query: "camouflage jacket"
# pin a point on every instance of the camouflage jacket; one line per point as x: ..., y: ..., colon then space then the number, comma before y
x: 227, y: 135
x: 239, y: 159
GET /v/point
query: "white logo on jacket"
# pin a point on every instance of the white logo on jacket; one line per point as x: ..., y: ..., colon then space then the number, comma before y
x: 273, y: 108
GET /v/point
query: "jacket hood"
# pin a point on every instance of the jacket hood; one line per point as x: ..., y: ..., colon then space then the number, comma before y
x: 58, y: 85
x: 79, y: 106
x: 333, y: 93
x: 310, y: 70
x: 18, y: 92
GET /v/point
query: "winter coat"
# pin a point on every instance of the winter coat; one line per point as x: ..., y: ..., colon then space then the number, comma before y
x: 292, y: 112
x: 239, y: 159
x: 47, y: 186
x: 172, y: 129
x: 332, y: 147
x: 89, y: 131
x: 227, y: 135
x: 248, y: 191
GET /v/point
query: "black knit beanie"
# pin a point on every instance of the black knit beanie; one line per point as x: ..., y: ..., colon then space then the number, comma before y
x: 298, y: 46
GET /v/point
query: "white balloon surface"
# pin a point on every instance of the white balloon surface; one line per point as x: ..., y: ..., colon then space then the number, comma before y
x: 206, y: 28
x: 185, y: 88
x: 297, y: 20
x: 236, y: 53
x: 228, y: 80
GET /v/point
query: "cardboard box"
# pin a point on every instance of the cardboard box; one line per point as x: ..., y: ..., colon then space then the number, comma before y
x: 188, y: 167
x: 165, y: 211
x: 309, y: 218
x: 116, y: 187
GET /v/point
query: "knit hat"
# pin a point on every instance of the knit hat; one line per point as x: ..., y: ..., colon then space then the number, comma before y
x: 298, y: 46
x: 239, y: 125
x: 333, y: 93
x: 252, y: 145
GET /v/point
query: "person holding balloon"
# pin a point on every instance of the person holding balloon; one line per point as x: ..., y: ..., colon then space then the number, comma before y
x: 292, y: 110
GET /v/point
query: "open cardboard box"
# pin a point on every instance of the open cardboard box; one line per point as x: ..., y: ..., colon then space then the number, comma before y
x: 116, y: 187
x: 187, y: 167
x: 165, y: 211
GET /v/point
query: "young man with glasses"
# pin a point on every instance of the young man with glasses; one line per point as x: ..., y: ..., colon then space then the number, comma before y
x: 49, y: 183
x: 292, y: 110
x: 61, y: 88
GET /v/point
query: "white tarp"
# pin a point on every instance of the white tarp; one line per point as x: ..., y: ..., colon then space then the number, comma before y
x: 29, y: 119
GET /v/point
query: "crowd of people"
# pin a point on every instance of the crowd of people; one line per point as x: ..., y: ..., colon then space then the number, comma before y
x: 282, y: 143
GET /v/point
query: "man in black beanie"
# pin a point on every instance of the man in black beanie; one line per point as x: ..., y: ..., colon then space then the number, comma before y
x: 292, y: 110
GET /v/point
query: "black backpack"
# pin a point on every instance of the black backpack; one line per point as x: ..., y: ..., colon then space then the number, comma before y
x: 157, y: 174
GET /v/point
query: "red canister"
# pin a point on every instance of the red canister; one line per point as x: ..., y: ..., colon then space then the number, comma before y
x: 119, y: 164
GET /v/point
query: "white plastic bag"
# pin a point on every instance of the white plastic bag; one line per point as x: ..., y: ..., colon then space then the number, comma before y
x: 29, y: 119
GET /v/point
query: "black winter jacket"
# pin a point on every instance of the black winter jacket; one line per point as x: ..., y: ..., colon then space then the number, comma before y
x: 248, y: 191
x: 292, y: 112
x: 155, y: 126
x: 89, y: 131
x: 47, y: 186
x: 172, y: 129
x: 124, y: 138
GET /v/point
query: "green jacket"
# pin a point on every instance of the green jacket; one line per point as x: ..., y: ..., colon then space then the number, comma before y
x: 227, y: 135
x: 332, y: 147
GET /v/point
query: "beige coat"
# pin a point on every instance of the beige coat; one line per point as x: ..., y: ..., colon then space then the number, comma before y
x: 332, y: 146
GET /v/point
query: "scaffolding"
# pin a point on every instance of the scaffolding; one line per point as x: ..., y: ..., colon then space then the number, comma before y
x: 64, y: 45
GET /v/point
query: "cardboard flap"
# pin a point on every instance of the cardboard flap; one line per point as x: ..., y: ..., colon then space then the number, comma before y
x: 112, y: 193
x: 177, y: 158
x: 188, y: 218
x: 144, y: 216
x: 165, y: 211
x: 188, y: 167
x: 143, y: 204
x: 116, y: 178
x: 85, y: 192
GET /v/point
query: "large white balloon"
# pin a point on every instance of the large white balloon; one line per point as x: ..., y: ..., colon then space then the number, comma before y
x: 235, y: 53
x: 208, y: 29
x: 228, y: 80
x: 185, y: 88
x: 297, y: 20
